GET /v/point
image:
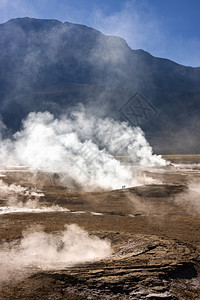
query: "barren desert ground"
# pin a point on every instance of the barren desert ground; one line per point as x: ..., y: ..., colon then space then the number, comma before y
x: 145, y: 239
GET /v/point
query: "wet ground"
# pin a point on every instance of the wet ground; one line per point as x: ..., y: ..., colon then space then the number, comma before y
x: 154, y: 230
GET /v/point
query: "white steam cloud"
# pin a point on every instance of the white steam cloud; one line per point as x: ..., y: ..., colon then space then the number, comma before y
x: 38, y: 249
x: 23, y: 199
x: 82, y: 146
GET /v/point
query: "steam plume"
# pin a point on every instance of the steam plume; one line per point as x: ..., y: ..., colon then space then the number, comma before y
x: 82, y: 146
x: 51, y: 251
x: 13, y: 194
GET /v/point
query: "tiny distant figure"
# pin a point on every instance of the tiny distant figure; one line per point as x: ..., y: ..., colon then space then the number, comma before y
x: 123, y: 186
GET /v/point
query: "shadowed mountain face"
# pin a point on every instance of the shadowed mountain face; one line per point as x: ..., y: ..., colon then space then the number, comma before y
x: 49, y: 65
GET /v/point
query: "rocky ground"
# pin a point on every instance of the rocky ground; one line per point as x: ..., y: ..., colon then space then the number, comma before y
x: 154, y: 231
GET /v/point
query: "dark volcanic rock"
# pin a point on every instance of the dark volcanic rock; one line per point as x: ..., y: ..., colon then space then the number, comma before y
x: 159, y: 190
x: 49, y: 65
x: 143, y: 268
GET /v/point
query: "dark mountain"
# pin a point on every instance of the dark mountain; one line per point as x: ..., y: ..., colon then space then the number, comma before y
x: 49, y: 65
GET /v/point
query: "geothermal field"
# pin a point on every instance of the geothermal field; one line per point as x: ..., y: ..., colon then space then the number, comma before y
x: 89, y: 212
x: 62, y: 239
x: 94, y: 203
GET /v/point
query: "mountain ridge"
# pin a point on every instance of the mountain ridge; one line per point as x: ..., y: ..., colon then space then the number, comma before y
x: 38, y: 56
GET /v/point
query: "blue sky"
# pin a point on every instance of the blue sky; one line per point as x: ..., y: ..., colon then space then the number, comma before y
x: 165, y: 28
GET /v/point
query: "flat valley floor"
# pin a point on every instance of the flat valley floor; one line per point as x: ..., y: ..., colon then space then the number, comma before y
x: 154, y: 230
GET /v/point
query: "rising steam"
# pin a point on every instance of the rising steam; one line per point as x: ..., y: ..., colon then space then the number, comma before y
x: 18, y: 199
x: 38, y: 249
x: 82, y: 146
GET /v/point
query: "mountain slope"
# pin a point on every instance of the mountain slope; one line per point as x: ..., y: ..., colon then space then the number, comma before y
x: 49, y: 65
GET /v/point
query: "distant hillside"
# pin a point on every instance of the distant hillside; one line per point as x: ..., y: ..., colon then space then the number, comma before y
x: 49, y: 65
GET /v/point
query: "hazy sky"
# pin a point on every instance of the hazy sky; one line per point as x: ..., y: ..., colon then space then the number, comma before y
x: 165, y: 28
